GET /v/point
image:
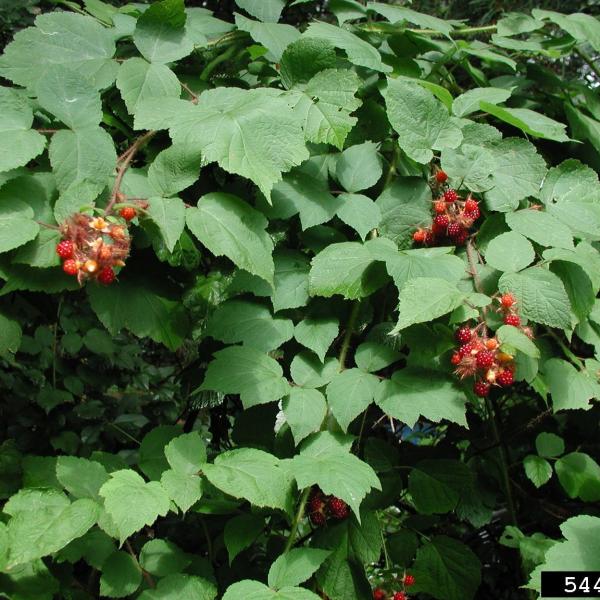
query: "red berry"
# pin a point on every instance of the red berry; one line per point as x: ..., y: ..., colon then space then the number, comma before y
x: 65, y: 249
x: 456, y: 358
x: 450, y: 196
x: 471, y: 205
x: 463, y: 335
x: 378, y: 594
x: 399, y: 596
x: 472, y: 215
x: 338, y: 508
x: 481, y: 389
x: 513, y: 320
x: 70, y: 267
x: 106, y: 276
x: 419, y: 236
x: 454, y: 230
x: 439, y: 207
x: 441, y: 177
x: 318, y: 519
x: 485, y: 359
x: 128, y: 213
x: 466, y: 349
x: 441, y: 221
x: 507, y: 300
x: 461, y: 238
x: 506, y: 378
x: 409, y: 580
x: 429, y: 237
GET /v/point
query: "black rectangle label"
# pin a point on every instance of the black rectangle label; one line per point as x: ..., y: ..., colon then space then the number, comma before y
x: 570, y: 584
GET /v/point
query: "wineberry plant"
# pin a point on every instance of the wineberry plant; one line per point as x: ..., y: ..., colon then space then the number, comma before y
x: 298, y: 308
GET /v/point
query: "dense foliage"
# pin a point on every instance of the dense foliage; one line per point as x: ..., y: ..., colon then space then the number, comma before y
x: 298, y: 312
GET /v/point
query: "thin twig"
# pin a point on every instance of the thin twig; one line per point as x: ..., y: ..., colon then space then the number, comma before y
x: 193, y: 96
x: 348, y: 335
x: 48, y: 131
x: 297, y: 518
x: 145, y: 573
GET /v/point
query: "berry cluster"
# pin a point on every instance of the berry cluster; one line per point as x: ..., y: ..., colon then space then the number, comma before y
x: 380, y: 594
x: 92, y: 247
x: 321, y: 507
x: 453, y: 219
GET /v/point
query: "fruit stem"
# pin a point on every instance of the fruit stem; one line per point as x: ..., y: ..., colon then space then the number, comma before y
x: 297, y: 518
x: 348, y: 335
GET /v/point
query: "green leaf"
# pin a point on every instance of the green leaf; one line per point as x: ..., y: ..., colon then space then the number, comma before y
x: 81, y: 477
x: 20, y: 143
x: 290, y: 288
x: 582, y: 27
x: 360, y: 212
x: 241, y: 532
x: 542, y: 296
x: 186, y: 453
x: 579, y: 475
x: 162, y: 557
x: 325, y: 461
x: 424, y: 299
x: 70, y: 97
x: 253, y: 475
x: 541, y: 227
x: 308, y: 371
x: 249, y: 323
x: 40, y: 252
x: 185, y: 490
x: 304, y: 411
x: 152, y: 459
x: 347, y: 10
x: 413, y: 392
x: 469, y: 102
x: 35, y: 534
x: 121, y: 575
x: 306, y: 57
x: 82, y: 156
x: 10, y: 335
x: 549, y: 445
x: 254, y: 590
x: 257, y: 378
x: 359, y: 52
x: 144, y: 311
x: 265, y: 10
x: 325, y: 104
x: 372, y: 356
x: 359, y: 167
x: 131, y: 502
x: 169, y: 216
x: 571, y: 180
x: 349, y: 394
x: 78, y: 42
x: 395, y: 13
x: 422, y: 122
x: 570, y: 389
x: 404, y: 205
x: 273, y: 36
x: 258, y: 122
x: 585, y: 256
x: 580, y: 550
x: 174, y: 169
x: 295, y: 567
x: 181, y: 587
x: 138, y: 80
x: 537, y: 469
x: 317, y: 334
x: 447, y: 569
x: 160, y: 32
x: 509, y: 252
x: 512, y: 336
x: 516, y: 23
x: 17, y: 226
x: 228, y: 226
x: 347, y: 268
x: 578, y: 286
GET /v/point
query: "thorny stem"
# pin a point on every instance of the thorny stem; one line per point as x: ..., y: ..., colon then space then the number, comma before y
x: 145, y: 573
x: 193, y: 96
x: 348, y: 335
x: 473, y: 260
x: 297, y: 518
x: 122, y: 169
x: 48, y: 131
x: 465, y: 31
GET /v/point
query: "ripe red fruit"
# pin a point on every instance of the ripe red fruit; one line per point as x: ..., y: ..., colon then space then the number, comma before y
x: 128, y: 213
x: 429, y: 237
x: 507, y: 300
x: 419, y: 236
x: 471, y: 205
x: 450, y: 196
x: 454, y: 230
x: 506, y: 378
x: 378, y: 594
x: 461, y: 238
x: 466, y: 349
x: 472, y: 215
x: 70, y: 267
x: 463, y: 335
x: 513, y: 320
x: 441, y: 221
x: 338, y: 508
x: 439, y: 207
x: 455, y: 359
x: 481, y: 389
x: 485, y: 359
x: 441, y: 177
x: 409, y: 580
x: 65, y: 249
x: 106, y: 276
x: 399, y: 596
x: 318, y: 519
